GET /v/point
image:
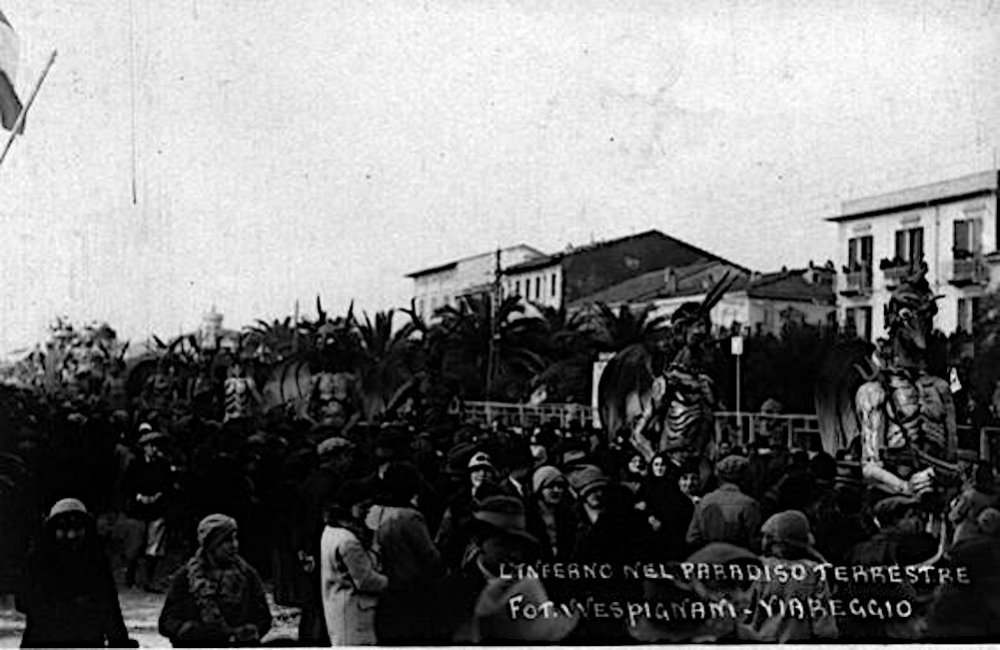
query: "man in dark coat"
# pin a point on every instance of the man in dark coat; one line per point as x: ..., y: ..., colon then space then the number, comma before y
x: 71, y: 600
x: 900, y: 541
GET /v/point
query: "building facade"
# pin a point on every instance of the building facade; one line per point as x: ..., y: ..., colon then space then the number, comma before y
x: 951, y: 226
x: 443, y: 285
x: 754, y: 303
x: 566, y: 277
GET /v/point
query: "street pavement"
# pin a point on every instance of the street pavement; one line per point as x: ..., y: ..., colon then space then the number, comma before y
x: 141, y: 611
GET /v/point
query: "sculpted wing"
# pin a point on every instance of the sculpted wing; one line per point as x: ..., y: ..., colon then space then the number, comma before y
x: 845, y: 369
x: 624, y: 387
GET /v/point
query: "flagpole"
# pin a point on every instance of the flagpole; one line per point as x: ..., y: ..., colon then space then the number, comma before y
x: 19, y: 124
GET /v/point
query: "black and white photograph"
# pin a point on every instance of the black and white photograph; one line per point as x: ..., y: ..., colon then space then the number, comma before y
x: 499, y: 322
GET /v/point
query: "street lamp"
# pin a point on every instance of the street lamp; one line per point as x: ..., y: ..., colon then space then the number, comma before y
x: 736, y: 347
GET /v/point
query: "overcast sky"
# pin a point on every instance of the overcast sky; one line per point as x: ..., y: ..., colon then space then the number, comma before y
x: 288, y: 149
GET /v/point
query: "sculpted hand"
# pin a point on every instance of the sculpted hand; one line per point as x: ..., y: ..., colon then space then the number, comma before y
x: 922, y: 481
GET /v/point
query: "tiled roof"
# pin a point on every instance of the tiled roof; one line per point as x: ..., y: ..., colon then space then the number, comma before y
x: 694, y: 280
x: 450, y: 265
x: 549, y: 260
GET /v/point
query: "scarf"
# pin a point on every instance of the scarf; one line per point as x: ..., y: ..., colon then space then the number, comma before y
x: 214, y: 587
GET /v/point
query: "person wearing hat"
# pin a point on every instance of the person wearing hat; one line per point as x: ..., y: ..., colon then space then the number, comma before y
x: 350, y: 579
x: 552, y: 513
x: 149, y: 484
x: 610, y: 531
x: 70, y: 599
x: 408, y: 557
x: 335, y: 456
x: 732, y: 585
x: 969, y: 611
x: 484, y: 594
x: 979, y: 495
x: 479, y: 483
x: 216, y: 598
x: 788, y: 543
x: 901, y: 541
x: 726, y: 514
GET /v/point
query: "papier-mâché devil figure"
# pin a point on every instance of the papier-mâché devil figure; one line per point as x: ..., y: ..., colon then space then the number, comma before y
x: 661, y: 394
x: 903, y: 415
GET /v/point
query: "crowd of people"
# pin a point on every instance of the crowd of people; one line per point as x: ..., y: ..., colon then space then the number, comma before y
x: 408, y: 533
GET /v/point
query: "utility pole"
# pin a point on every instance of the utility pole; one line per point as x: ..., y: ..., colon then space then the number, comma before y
x: 494, y: 353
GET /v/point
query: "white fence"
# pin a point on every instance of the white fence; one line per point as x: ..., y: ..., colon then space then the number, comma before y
x: 738, y: 429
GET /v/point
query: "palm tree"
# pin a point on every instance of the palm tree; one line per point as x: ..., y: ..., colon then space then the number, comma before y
x: 616, y: 331
x: 383, y: 363
x: 461, y: 343
x: 270, y: 343
x: 570, y: 350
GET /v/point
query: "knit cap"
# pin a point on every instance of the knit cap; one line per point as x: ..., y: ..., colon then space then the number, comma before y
x: 213, y: 528
x: 790, y: 527
x: 545, y: 475
x: 586, y: 479
x: 732, y: 468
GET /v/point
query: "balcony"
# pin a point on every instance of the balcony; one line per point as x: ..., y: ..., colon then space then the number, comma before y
x: 895, y: 274
x: 969, y: 271
x: 857, y: 282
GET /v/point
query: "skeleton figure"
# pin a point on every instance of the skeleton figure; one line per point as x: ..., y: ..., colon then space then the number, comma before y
x: 671, y: 408
x: 907, y: 416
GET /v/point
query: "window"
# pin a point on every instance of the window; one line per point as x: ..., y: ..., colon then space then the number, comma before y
x: 553, y: 285
x: 967, y: 233
x: 865, y: 326
x: 858, y: 322
x: 968, y: 312
x: 517, y: 288
x: 859, y: 252
x: 910, y: 244
x: 420, y: 308
x: 538, y: 288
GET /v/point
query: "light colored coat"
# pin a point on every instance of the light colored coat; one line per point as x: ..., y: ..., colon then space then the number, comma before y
x: 351, y: 584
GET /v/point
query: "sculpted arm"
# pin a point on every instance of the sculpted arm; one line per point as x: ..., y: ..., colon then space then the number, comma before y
x: 870, y: 405
x: 950, y: 422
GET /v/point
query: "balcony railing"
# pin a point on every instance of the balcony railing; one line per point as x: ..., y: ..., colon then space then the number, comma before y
x: 895, y: 274
x: 857, y: 283
x: 969, y: 271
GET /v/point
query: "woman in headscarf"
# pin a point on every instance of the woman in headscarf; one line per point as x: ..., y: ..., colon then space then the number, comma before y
x: 216, y: 599
x: 350, y: 577
x: 668, y: 510
x: 71, y: 599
